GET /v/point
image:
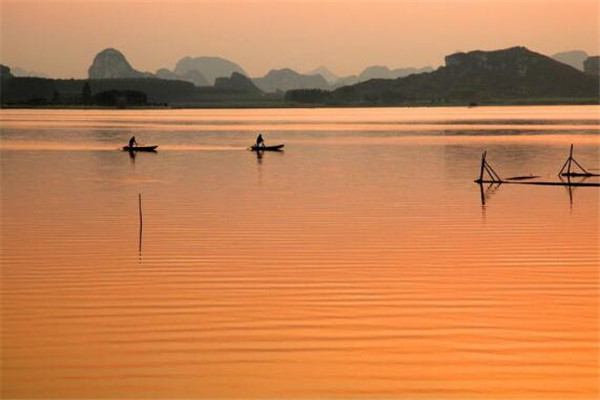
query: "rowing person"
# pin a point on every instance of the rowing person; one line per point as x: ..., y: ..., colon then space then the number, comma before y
x: 132, y: 142
x: 260, y: 141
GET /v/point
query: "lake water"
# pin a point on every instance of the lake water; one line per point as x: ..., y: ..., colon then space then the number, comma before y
x: 360, y: 262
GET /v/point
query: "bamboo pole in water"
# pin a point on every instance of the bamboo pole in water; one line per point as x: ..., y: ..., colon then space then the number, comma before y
x: 482, y: 167
x: 141, y: 221
x: 570, y: 160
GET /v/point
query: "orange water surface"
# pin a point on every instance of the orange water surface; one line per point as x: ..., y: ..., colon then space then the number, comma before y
x: 360, y: 262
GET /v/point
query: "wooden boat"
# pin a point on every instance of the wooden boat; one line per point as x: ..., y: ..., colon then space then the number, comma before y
x: 267, y: 148
x: 140, y: 148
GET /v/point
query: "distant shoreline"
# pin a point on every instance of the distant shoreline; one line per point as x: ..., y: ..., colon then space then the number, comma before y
x: 499, y: 103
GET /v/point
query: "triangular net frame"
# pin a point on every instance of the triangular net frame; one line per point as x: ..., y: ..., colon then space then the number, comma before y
x: 486, y: 169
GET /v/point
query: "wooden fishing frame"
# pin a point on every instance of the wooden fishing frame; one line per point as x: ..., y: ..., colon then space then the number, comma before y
x: 567, y: 165
x: 485, y: 167
x: 493, y: 177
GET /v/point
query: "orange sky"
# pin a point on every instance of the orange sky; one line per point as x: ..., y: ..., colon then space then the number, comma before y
x: 61, y: 38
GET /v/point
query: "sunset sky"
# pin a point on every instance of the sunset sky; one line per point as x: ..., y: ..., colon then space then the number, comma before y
x: 60, y: 38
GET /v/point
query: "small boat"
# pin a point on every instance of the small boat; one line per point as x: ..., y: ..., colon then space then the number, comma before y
x: 266, y: 148
x: 140, y: 148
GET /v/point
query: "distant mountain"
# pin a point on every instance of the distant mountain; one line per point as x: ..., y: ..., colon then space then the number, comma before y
x: 165, y: 73
x: 210, y: 68
x: 194, y: 77
x: 286, y: 79
x: 112, y: 64
x: 383, y: 72
x: 5, y: 73
x: 191, y: 76
x: 201, y: 71
x: 345, y: 81
x: 574, y: 58
x: 20, y: 72
x: 510, y: 76
x: 402, y: 72
x: 478, y: 76
x: 329, y: 76
x: 236, y: 82
x: 375, y: 72
x: 591, y: 66
x: 378, y: 72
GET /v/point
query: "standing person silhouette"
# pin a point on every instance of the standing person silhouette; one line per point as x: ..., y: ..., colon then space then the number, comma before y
x: 132, y: 142
x: 260, y: 141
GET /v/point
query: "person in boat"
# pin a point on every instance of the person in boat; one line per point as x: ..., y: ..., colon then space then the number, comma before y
x: 260, y: 142
x: 132, y: 142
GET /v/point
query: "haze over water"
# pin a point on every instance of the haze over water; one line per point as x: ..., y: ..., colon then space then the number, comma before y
x: 358, y: 263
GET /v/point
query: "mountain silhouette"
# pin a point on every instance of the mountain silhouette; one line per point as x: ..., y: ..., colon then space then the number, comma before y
x: 194, y: 77
x: 591, y: 66
x: 383, y: 72
x: 329, y: 76
x: 5, y: 73
x: 112, y: 64
x: 478, y: 76
x: 210, y: 68
x: 345, y: 81
x: 286, y: 79
x: 378, y: 72
x: 165, y: 73
x: 574, y: 58
x: 510, y: 76
x: 191, y: 76
x: 236, y: 82
x: 21, y: 72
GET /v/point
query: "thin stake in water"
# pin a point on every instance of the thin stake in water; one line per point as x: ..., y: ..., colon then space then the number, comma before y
x: 141, y: 223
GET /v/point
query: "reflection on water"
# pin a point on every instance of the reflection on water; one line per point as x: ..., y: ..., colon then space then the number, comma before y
x: 359, y: 263
x: 487, y: 191
x: 141, y: 226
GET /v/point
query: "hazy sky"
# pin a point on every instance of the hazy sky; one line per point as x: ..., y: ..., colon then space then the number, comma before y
x: 60, y: 38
